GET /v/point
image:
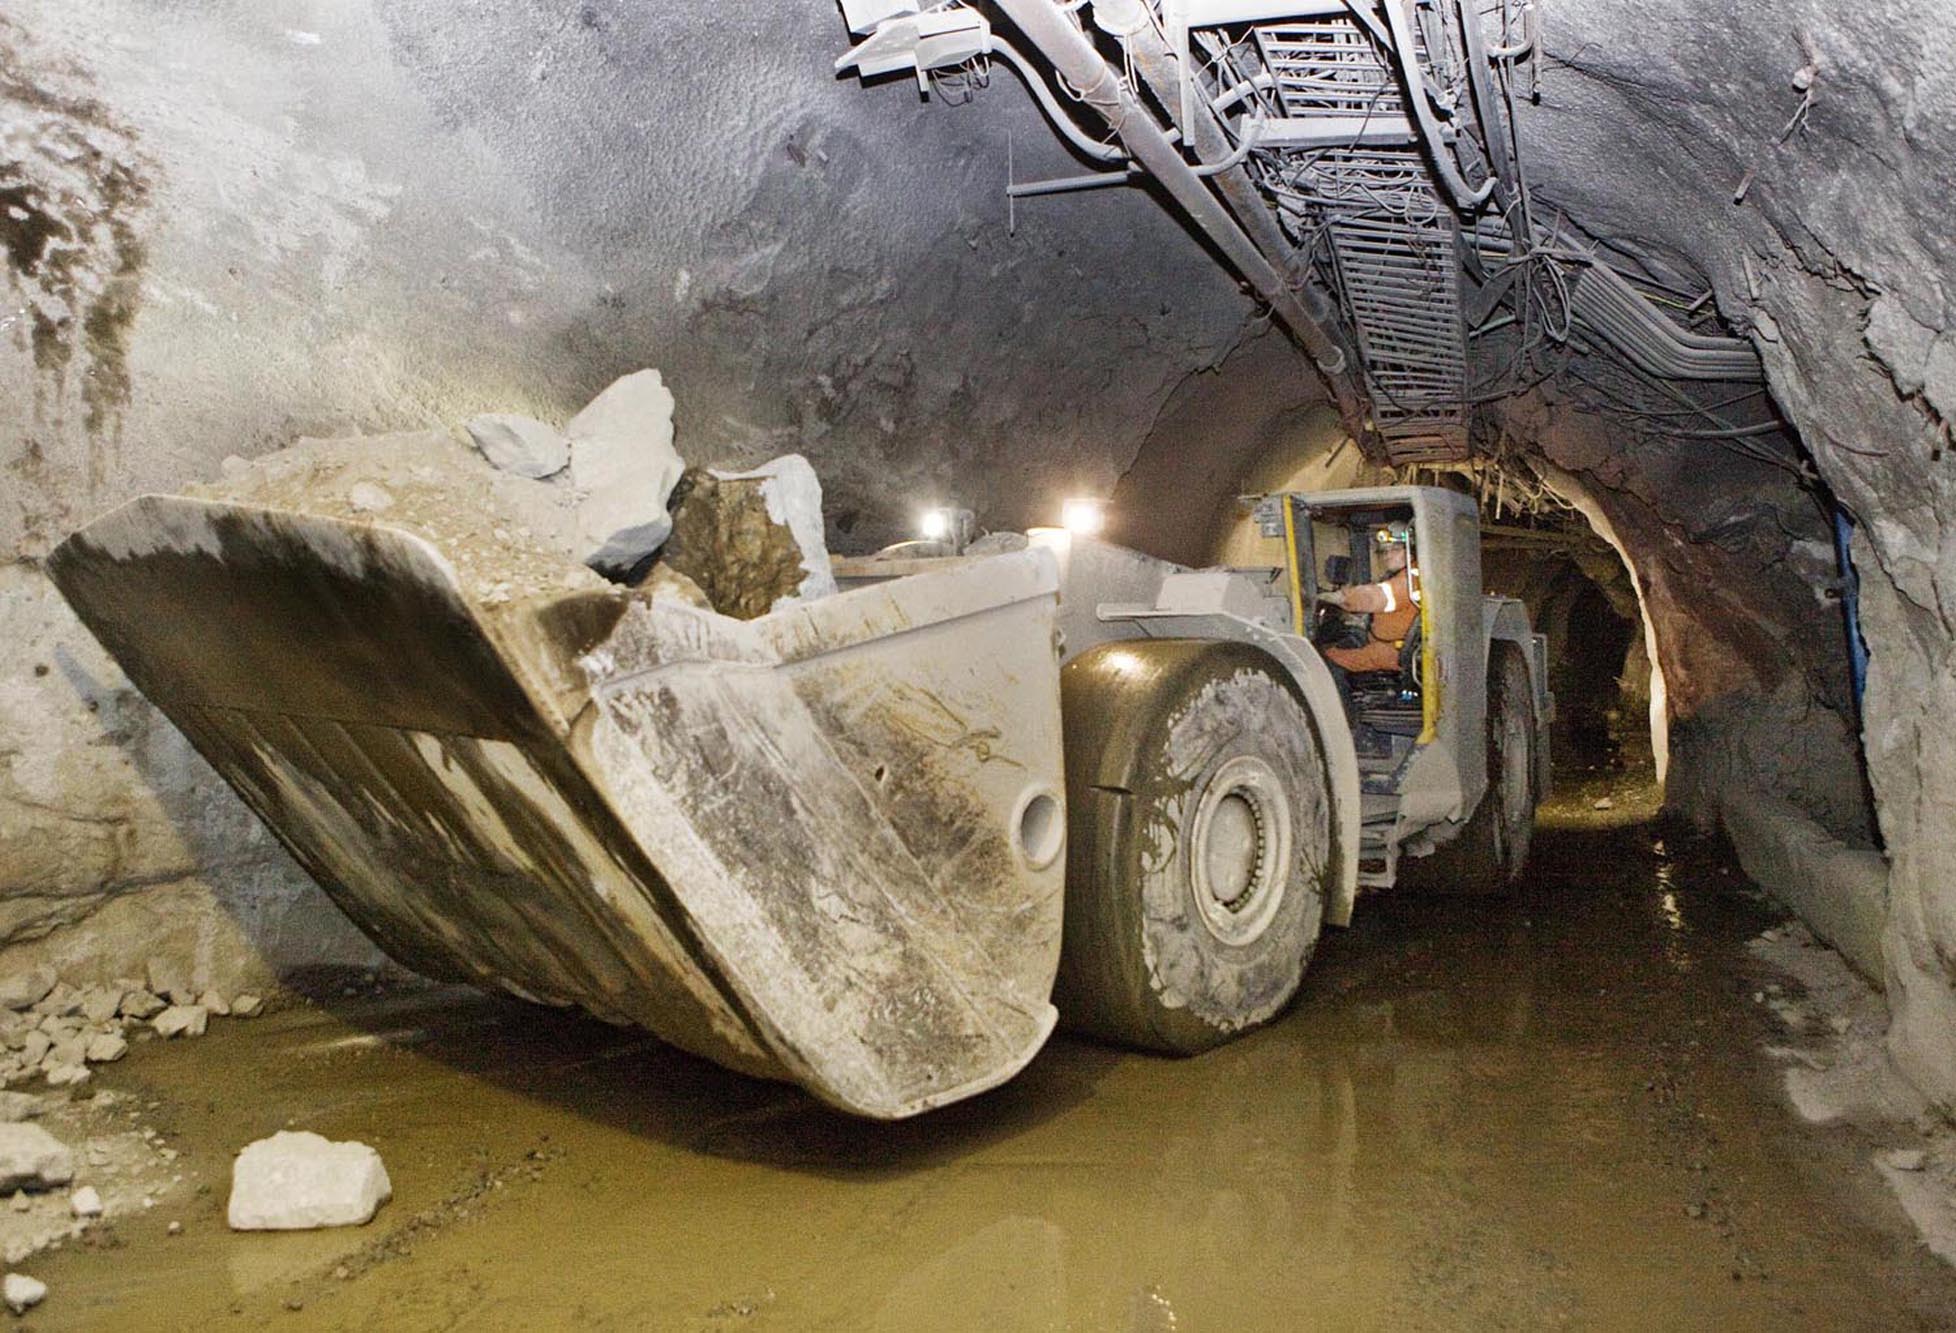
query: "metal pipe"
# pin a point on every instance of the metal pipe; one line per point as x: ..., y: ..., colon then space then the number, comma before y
x: 1066, y: 184
x: 1305, y: 312
x: 1047, y: 103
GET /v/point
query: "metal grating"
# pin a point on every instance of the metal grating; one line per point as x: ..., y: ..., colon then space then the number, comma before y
x: 1395, y: 244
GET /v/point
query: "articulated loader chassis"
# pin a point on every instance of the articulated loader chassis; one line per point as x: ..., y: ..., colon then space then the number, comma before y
x: 862, y: 844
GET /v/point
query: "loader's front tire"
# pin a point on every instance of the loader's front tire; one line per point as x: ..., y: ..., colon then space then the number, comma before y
x: 1199, y: 842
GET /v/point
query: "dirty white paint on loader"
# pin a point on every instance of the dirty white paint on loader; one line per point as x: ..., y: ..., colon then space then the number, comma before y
x: 823, y: 846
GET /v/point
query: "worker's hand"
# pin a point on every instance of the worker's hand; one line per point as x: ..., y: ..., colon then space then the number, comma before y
x: 1336, y: 598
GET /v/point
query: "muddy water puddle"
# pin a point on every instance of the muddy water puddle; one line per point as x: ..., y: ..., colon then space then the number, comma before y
x: 1544, y: 1112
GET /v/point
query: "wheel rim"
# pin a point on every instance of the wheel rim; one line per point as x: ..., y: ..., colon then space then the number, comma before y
x: 1239, y: 850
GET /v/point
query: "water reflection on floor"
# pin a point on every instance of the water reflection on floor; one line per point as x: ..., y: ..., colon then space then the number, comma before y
x: 1549, y: 1111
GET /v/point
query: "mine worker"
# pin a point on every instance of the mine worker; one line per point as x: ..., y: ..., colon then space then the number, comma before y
x: 1392, y: 603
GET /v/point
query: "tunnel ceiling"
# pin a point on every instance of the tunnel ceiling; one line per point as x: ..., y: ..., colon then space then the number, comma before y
x: 232, y: 224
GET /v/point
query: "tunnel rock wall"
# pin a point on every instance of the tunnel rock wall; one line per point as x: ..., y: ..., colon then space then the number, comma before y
x: 1800, y: 157
x: 229, y: 225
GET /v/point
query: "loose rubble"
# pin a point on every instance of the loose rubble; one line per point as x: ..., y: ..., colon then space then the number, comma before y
x: 299, y: 1181
x: 32, y: 1159
x: 603, y: 493
x: 22, y: 1293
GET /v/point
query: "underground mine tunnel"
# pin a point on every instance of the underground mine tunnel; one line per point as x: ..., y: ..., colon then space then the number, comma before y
x: 986, y: 664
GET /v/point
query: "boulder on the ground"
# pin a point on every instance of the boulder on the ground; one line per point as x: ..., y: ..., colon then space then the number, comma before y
x: 32, y: 1159
x: 100, y: 1003
x: 624, y: 468
x: 750, y: 541
x: 105, y: 1047
x: 519, y: 444
x: 86, y: 1202
x: 63, y: 1001
x: 182, y: 1020
x: 140, y: 1003
x: 21, y: 990
x: 297, y: 1181
x: 21, y: 1292
x: 247, y: 1006
x: 16, y: 1106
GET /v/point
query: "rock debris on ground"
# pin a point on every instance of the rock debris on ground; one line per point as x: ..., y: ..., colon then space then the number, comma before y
x: 22, y: 1293
x: 299, y: 1181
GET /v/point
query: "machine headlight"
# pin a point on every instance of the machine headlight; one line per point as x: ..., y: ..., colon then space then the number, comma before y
x: 1083, y: 517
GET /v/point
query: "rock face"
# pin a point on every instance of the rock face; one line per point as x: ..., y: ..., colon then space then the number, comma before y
x: 519, y: 444
x: 624, y: 467
x: 298, y: 1181
x: 32, y: 1159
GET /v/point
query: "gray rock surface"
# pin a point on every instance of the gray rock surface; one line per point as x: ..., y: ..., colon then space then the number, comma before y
x: 32, y: 1159
x: 623, y: 467
x: 297, y: 1181
x: 26, y: 987
x: 520, y: 444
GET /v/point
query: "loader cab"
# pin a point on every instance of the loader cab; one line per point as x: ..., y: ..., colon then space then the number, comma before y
x: 1434, y: 690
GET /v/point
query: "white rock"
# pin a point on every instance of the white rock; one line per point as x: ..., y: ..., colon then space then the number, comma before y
x: 518, y: 444
x: 18, y: 990
x: 63, y: 1001
x: 624, y: 466
x: 214, y: 1003
x: 182, y: 1020
x: 67, y: 1076
x: 16, y: 1106
x: 100, y: 1003
x: 86, y: 1202
x: 793, y: 494
x: 35, y: 1048
x: 294, y: 1181
x: 67, y: 1050
x: 369, y: 498
x: 247, y: 1006
x: 141, y: 1004
x: 105, y: 1047
x: 22, y: 1293
x: 31, y: 1158
x: 1906, y: 1159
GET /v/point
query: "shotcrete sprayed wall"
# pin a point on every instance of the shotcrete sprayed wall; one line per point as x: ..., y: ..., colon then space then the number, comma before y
x: 230, y: 225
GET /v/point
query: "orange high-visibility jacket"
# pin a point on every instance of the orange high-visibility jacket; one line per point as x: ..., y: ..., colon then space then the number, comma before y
x: 1393, y: 613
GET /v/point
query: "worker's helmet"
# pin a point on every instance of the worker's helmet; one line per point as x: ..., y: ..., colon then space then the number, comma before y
x: 1398, y: 532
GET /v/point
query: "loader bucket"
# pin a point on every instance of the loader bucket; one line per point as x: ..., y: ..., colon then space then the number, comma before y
x: 821, y: 846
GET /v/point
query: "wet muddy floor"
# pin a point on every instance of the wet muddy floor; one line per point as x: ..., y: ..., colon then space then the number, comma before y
x: 1553, y: 1111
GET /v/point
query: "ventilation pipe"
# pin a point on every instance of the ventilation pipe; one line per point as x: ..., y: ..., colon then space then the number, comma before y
x: 1052, y: 31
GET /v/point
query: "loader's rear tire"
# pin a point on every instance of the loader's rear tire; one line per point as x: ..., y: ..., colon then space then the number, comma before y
x: 1199, y: 842
x: 1490, y: 853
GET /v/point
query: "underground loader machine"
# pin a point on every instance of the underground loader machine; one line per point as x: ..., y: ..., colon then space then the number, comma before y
x: 862, y: 843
